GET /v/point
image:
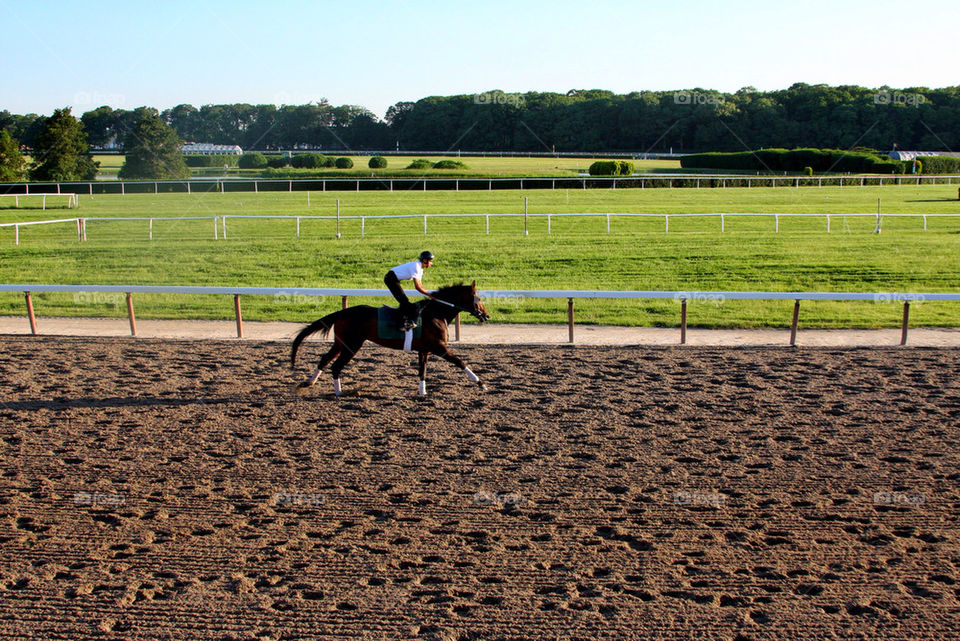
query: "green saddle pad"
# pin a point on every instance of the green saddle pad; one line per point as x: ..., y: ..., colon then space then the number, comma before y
x: 388, y: 324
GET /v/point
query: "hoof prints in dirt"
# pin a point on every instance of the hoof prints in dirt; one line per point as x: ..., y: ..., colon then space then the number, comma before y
x: 160, y: 488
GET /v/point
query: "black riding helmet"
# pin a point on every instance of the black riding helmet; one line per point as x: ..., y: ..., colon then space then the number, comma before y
x: 426, y: 255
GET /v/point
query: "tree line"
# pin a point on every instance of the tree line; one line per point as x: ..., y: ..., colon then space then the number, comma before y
x: 688, y: 121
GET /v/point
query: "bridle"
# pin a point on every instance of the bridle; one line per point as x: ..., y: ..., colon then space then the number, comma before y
x: 473, y: 312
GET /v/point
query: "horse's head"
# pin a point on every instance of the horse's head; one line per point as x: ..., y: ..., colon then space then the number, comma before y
x: 478, y: 309
x: 466, y: 298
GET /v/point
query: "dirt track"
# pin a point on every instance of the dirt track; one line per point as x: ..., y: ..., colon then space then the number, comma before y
x: 179, y: 489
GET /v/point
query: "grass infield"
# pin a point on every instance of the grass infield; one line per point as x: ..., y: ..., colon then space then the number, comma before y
x: 577, y: 253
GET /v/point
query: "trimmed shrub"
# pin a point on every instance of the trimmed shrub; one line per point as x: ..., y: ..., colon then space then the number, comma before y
x: 329, y: 162
x: 449, y: 164
x: 307, y: 161
x: 919, y: 166
x: 344, y: 163
x: 605, y: 168
x: 377, y: 162
x: 808, y: 171
x: 252, y: 161
x: 420, y: 163
x: 277, y: 162
x: 198, y: 160
x: 624, y: 168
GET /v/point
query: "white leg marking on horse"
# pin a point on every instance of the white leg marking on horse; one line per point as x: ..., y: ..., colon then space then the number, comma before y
x: 473, y: 377
x: 423, y: 388
x: 336, y: 387
x: 316, y: 375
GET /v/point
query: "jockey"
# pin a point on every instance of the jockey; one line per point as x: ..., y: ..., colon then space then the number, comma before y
x: 408, y: 271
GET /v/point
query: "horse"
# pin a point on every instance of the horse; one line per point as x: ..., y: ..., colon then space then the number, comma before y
x: 353, y: 326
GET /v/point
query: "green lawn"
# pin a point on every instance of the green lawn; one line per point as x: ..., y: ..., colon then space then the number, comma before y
x: 578, y: 253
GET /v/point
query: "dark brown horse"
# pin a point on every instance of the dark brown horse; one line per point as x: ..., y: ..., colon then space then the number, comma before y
x: 355, y: 325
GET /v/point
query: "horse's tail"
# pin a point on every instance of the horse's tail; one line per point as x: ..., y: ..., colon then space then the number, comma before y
x: 322, y: 325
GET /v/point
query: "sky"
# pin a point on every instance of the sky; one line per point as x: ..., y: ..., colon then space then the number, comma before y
x: 377, y: 53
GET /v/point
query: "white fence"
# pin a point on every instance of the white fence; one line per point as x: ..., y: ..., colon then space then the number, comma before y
x: 429, y: 183
x: 73, y: 200
x: 682, y: 297
x: 219, y: 223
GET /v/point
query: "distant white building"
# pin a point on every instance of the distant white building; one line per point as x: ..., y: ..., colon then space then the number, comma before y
x: 910, y: 155
x: 207, y: 149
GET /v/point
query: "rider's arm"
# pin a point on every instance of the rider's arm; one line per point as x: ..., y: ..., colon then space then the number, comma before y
x: 419, y: 288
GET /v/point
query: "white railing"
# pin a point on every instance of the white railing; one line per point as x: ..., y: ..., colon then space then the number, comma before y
x: 435, y: 182
x: 682, y: 297
x: 72, y: 199
x: 219, y: 223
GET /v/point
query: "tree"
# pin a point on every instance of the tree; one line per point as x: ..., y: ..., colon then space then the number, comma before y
x: 152, y: 149
x: 11, y: 161
x: 61, y: 152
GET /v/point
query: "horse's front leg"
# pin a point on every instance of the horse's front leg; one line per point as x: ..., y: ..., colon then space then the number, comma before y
x: 456, y: 360
x: 422, y: 362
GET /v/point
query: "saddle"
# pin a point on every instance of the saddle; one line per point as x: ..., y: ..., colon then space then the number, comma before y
x: 389, y: 323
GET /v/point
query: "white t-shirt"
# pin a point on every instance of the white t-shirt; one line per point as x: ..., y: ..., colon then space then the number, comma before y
x: 406, y: 271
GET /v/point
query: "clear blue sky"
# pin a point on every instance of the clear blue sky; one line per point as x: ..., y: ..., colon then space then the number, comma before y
x: 160, y: 54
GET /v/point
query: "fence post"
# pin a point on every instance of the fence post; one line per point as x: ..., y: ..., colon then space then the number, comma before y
x: 343, y: 302
x: 236, y: 308
x: 570, y: 318
x: 133, y: 320
x: 525, y: 231
x: 683, y: 321
x: 796, y: 320
x: 30, y: 314
x: 906, y: 321
x: 457, y: 327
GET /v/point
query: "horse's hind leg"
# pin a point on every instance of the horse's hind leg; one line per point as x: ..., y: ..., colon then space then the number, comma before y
x: 329, y: 356
x: 348, y: 352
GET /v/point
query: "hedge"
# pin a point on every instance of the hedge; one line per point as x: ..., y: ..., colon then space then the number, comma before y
x: 420, y: 163
x: 795, y: 160
x: 377, y: 162
x: 449, y: 164
x: 308, y: 161
x: 344, y: 163
x: 198, y: 160
x: 939, y: 164
x: 252, y: 161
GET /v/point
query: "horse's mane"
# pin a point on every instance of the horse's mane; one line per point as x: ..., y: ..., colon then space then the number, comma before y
x: 448, y: 290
